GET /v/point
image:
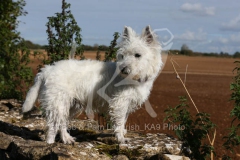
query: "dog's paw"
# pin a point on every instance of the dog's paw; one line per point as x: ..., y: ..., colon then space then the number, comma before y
x: 125, y: 140
x: 69, y: 140
x: 121, y: 139
x: 50, y: 141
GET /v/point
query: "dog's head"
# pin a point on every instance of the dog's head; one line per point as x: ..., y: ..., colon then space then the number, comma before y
x: 139, y: 56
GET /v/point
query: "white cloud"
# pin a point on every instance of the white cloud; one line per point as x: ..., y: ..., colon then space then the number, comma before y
x: 187, y: 7
x: 213, y: 48
x: 229, y: 43
x: 233, y: 25
x: 198, y: 9
x: 210, y: 10
x: 188, y: 35
x: 233, y: 39
x: 192, y: 36
x: 223, y: 40
x: 222, y: 48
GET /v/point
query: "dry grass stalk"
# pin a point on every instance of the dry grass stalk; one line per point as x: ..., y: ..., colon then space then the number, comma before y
x: 183, y: 83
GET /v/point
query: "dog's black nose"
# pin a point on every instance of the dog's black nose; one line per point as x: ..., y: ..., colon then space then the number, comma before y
x: 125, y: 70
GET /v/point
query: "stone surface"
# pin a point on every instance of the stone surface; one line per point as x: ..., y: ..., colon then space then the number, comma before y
x: 120, y: 157
x: 23, y: 137
x: 174, y: 157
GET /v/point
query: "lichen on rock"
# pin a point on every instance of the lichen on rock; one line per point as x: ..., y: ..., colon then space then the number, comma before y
x: 23, y: 137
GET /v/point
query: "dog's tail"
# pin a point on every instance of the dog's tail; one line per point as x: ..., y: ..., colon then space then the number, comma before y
x: 72, y: 52
x: 32, y: 94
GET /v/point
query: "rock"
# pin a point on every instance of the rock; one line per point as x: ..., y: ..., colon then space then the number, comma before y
x: 23, y: 137
x: 19, y: 148
x: 120, y: 157
x: 174, y: 157
x: 3, y: 108
x: 151, y: 145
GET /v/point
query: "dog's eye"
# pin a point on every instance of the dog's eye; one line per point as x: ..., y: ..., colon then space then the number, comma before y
x: 137, y: 55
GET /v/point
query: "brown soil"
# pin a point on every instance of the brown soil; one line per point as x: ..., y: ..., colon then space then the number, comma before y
x: 208, y: 80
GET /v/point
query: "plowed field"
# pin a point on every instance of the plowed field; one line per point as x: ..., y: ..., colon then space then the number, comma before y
x: 207, y: 79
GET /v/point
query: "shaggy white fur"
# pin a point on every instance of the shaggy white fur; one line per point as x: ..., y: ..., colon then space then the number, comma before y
x: 114, y: 87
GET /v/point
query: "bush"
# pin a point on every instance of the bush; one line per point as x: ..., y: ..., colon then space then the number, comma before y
x: 110, y: 54
x: 192, y: 130
x: 232, y: 140
x: 110, y: 51
x: 15, y: 76
x: 62, y: 31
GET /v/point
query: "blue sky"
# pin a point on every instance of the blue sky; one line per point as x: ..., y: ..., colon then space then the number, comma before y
x: 205, y: 26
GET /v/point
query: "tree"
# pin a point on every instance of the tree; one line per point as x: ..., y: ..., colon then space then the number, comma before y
x: 236, y: 55
x: 14, y: 56
x: 185, y: 50
x: 32, y: 45
x: 62, y: 31
x: 111, y: 52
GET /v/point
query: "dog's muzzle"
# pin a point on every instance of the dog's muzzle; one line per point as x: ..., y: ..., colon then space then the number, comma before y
x: 125, y: 70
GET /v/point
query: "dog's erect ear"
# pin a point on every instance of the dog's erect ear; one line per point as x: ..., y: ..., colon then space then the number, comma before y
x: 148, y: 35
x: 126, y: 33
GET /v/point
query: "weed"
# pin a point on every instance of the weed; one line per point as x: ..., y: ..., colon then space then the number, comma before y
x: 232, y: 140
x: 192, y: 131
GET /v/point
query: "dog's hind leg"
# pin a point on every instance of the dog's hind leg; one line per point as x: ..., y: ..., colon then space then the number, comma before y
x: 52, y: 124
x: 65, y: 115
x: 57, y: 114
x: 65, y: 136
x: 51, y: 134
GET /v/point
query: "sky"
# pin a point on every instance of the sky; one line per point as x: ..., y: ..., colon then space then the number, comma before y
x: 204, y: 26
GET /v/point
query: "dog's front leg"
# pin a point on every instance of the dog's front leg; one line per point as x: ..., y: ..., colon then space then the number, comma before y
x: 119, y: 116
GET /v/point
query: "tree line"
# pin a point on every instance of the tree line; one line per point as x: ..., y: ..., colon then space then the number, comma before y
x: 29, y: 44
x: 183, y: 51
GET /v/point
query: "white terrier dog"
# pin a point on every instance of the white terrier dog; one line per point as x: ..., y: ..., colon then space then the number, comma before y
x: 114, y: 87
